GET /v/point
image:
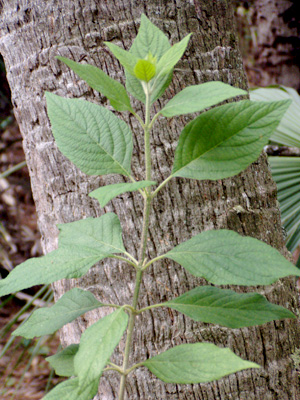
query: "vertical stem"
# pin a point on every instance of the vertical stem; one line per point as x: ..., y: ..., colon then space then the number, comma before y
x: 143, y: 246
x: 147, y: 135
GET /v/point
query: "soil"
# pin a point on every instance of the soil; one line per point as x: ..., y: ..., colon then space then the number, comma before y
x: 22, y: 376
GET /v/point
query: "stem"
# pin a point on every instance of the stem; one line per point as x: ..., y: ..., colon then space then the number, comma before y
x: 150, y: 307
x: 147, y: 135
x: 129, y: 334
x: 152, y: 261
x: 134, y: 264
x: 161, y: 186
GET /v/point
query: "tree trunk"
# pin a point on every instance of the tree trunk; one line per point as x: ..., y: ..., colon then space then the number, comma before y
x: 275, y: 28
x: 32, y: 34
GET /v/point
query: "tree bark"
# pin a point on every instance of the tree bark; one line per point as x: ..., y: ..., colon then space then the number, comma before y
x: 32, y: 34
x: 274, y: 51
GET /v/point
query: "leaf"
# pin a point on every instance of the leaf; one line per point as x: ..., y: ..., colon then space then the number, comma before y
x: 196, y: 363
x: 91, y: 136
x: 172, y: 56
x: 63, y: 362
x: 144, y: 70
x: 69, y: 390
x: 102, y: 83
x: 225, y: 258
x: 103, y: 234
x: 106, y: 193
x: 197, y: 98
x: 126, y: 59
x: 286, y: 174
x: 288, y: 131
x: 81, y: 245
x: 223, y: 141
x: 227, y: 308
x: 47, y: 320
x: 149, y: 39
x: 97, y: 345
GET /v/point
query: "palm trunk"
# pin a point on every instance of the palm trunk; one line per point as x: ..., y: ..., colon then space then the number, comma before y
x: 32, y: 34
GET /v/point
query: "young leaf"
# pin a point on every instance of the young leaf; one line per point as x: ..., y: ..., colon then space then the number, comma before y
x: 102, y: 83
x: 172, y: 56
x: 106, y: 193
x: 97, y: 345
x: 69, y: 390
x: 225, y: 258
x: 227, y: 308
x: 196, y: 363
x: 223, y: 141
x: 126, y: 59
x: 152, y: 40
x: 197, y: 98
x: 91, y: 136
x: 63, y: 362
x: 81, y: 245
x: 144, y: 70
x: 47, y: 320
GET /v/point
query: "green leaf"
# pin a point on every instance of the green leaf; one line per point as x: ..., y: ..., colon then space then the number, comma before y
x: 227, y: 308
x: 144, y: 70
x: 97, y: 345
x: 225, y: 258
x: 63, y: 362
x: 172, y: 56
x: 47, y: 320
x: 103, y: 234
x: 196, y: 363
x: 288, y: 131
x: 149, y: 39
x: 91, y: 136
x: 102, y: 83
x: 81, y: 245
x: 126, y: 59
x: 106, y: 193
x: 69, y: 390
x: 197, y: 98
x: 286, y: 174
x: 223, y: 141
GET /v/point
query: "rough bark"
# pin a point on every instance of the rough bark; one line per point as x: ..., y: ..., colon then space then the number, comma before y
x: 32, y: 33
x: 275, y: 32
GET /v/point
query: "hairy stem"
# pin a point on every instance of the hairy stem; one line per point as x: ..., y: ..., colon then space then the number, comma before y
x: 142, y: 251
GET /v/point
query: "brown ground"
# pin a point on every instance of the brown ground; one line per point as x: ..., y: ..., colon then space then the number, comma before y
x: 19, y: 240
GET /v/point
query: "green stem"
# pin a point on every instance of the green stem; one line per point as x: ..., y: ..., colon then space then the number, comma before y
x: 161, y: 186
x: 143, y: 245
x: 150, y: 307
x: 134, y: 264
x: 129, y: 334
x: 152, y: 261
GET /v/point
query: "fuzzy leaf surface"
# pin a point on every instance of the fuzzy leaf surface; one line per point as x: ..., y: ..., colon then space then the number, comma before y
x: 196, y: 363
x: 223, y: 141
x: 224, y: 257
x: 227, y: 308
x: 172, y: 56
x: 63, y: 362
x: 81, y: 245
x: 144, y: 70
x: 69, y: 390
x: 102, y: 83
x: 197, y: 98
x: 126, y: 59
x: 106, y: 193
x: 92, y: 137
x: 149, y: 39
x: 97, y: 345
x: 70, y: 306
